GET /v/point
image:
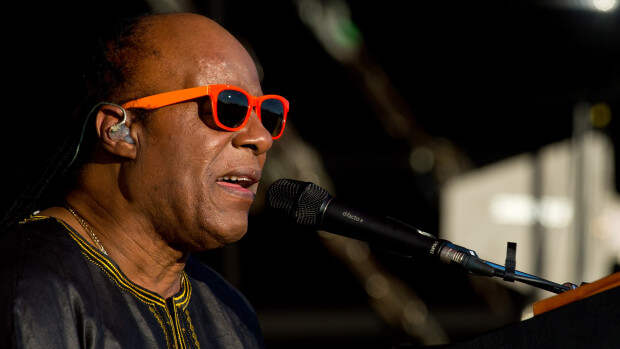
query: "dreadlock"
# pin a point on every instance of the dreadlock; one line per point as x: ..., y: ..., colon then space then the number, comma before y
x: 104, y: 71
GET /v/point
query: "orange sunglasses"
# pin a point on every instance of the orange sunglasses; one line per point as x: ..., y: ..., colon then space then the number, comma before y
x: 231, y: 106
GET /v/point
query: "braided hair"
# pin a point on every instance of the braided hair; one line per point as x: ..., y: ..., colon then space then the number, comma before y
x: 104, y: 70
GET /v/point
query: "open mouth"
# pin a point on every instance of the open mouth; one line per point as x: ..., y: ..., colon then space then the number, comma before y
x: 236, y: 181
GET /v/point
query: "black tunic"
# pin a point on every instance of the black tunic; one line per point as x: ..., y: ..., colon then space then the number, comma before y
x: 58, y: 291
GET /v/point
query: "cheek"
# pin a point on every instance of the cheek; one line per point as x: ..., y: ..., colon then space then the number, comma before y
x: 184, y: 151
x: 199, y: 204
x: 178, y: 168
x: 174, y: 164
x: 187, y: 171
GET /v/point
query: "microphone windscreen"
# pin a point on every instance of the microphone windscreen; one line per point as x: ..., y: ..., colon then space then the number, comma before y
x: 300, y: 201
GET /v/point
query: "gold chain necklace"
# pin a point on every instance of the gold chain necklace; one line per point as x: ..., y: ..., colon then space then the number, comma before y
x: 86, y: 227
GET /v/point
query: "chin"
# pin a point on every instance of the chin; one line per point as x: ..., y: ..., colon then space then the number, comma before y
x: 231, y: 236
x: 216, y: 238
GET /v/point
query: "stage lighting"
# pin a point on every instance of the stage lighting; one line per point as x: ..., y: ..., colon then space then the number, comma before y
x: 604, y: 5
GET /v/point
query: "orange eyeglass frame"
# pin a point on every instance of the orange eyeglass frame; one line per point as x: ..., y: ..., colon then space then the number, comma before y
x: 177, y: 96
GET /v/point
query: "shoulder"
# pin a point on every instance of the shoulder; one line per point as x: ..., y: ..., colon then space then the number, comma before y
x: 35, y: 239
x: 38, y: 243
x: 36, y: 256
x: 37, y: 259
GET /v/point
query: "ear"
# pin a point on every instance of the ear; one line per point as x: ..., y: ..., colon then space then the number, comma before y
x: 108, y: 120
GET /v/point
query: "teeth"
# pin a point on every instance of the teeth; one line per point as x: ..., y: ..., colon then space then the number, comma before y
x: 233, y: 179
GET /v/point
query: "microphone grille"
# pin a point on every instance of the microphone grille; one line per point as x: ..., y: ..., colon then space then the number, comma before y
x: 298, y: 200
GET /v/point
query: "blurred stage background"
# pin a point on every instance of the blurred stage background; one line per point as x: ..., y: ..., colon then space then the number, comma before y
x: 477, y: 121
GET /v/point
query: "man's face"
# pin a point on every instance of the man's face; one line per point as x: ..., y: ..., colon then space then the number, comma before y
x: 176, y: 179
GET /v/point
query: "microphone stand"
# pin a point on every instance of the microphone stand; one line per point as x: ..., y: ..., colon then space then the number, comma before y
x: 533, y: 280
x: 470, y: 261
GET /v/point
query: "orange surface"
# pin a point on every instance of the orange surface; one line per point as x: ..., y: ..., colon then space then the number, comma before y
x: 581, y: 292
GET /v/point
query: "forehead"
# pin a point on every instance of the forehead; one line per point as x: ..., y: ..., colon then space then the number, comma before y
x: 190, y: 50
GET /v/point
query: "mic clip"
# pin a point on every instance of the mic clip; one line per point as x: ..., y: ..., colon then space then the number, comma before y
x: 511, y: 262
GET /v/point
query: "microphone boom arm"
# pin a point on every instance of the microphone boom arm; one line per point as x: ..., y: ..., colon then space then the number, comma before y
x: 469, y: 260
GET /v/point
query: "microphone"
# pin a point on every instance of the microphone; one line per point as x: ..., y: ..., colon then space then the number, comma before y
x: 310, y: 205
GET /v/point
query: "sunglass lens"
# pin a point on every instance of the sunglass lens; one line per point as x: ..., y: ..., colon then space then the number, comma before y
x: 232, y: 107
x: 272, y: 115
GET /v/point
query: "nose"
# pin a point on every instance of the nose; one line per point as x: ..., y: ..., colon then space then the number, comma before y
x: 253, y: 136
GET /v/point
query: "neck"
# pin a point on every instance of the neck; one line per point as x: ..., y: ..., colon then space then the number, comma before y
x: 136, y: 247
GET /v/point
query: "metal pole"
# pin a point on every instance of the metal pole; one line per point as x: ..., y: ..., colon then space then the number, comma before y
x: 580, y: 207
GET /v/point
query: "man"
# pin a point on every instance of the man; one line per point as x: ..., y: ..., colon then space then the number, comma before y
x: 179, y: 146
